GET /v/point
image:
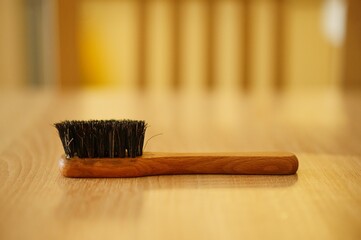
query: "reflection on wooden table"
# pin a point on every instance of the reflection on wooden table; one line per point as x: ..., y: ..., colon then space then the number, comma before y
x: 323, y: 201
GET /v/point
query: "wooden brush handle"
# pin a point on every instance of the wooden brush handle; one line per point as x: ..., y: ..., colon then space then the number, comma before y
x: 181, y: 163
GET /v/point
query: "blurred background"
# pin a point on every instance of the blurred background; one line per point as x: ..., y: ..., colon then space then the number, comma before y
x: 165, y: 45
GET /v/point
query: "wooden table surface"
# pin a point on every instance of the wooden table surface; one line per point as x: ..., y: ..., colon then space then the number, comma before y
x: 323, y: 201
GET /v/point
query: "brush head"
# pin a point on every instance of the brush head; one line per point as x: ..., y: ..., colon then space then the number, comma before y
x: 102, y: 138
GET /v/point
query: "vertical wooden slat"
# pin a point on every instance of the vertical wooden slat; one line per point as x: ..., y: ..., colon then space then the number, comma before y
x: 210, y: 45
x: 194, y: 45
x: 142, y: 45
x: 227, y: 43
x: 68, y: 54
x: 34, y: 18
x: 279, y: 42
x: 13, y: 65
x: 176, y: 44
x: 247, y: 45
x: 352, y: 50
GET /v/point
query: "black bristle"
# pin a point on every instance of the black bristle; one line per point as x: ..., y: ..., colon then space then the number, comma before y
x: 102, y: 138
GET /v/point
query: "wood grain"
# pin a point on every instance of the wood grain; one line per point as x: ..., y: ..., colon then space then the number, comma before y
x: 151, y: 164
x: 321, y: 201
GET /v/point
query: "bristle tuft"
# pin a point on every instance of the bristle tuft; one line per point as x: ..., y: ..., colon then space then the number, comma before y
x: 102, y: 138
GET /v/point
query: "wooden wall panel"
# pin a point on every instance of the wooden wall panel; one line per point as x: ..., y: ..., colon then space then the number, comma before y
x: 352, y: 50
x: 68, y: 57
x: 280, y: 44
